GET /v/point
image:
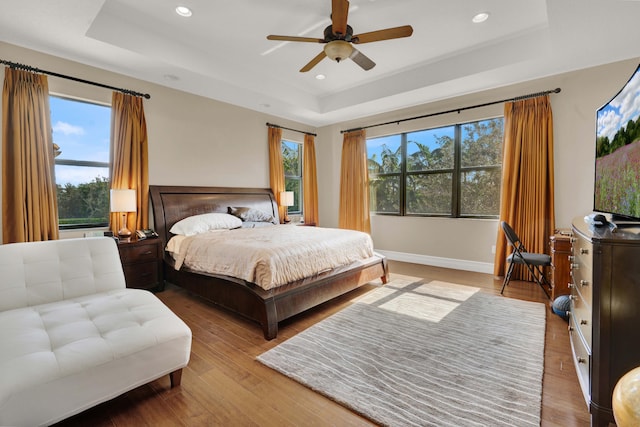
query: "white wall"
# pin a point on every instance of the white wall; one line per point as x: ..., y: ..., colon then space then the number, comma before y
x: 198, y: 141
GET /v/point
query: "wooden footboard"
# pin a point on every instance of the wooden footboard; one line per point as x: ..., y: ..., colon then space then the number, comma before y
x: 267, y: 308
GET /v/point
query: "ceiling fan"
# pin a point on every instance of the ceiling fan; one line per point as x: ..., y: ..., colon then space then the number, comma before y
x: 339, y: 38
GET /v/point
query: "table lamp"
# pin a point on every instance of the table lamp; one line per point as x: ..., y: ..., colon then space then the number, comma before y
x: 286, y: 199
x: 123, y: 201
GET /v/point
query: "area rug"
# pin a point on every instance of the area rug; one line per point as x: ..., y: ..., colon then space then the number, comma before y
x: 425, y: 354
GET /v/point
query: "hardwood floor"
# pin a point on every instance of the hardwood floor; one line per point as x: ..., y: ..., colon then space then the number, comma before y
x: 225, y: 385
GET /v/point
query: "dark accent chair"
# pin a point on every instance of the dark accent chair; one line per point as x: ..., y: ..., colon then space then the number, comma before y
x: 534, y: 262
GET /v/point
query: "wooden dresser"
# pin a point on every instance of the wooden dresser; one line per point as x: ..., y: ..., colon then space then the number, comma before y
x: 560, y: 244
x: 604, y: 324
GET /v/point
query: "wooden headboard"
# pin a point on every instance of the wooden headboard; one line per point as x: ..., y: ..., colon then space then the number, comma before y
x: 172, y: 203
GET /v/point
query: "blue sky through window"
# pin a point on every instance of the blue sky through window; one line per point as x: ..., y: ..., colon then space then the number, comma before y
x: 81, y: 129
x: 426, y: 137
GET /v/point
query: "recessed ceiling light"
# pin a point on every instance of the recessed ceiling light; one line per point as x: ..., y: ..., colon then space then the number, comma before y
x: 480, y: 17
x: 321, y: 76
x: 183, y: 11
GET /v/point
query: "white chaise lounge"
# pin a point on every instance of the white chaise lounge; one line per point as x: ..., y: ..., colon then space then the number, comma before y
x: 72, y: 335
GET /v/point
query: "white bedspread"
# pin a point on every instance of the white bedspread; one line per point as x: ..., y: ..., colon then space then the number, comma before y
x: 271, y: 256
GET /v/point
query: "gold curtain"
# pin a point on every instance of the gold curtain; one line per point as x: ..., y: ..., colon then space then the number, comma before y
x: 354, y: 183
x: 527, y: 200
x: 310, y: 181
x: 29, y: 203
x: 276, y: 168
x: 129, y: 156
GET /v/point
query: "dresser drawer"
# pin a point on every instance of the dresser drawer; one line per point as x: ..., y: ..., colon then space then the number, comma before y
x: 582, y: 270
x: 581, y: 360
x: 581, y: 317
x: 139, y: 253
x: 142, y: 275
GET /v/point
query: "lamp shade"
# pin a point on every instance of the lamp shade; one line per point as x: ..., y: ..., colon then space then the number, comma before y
x: 286, y: 198
x: 123, y: 200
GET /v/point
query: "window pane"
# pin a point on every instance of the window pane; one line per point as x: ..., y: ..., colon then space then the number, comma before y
x: 294, y: 184
x: 480, y: 192
x: 292, y: 162
x: 429, y: 194
x: 291, y: 158
x: 83, y: 199
x: 384, y: 194
x: 482, y: 143
x: 430, y: 149
x: 80, y: 129
x: 384, y: 154
x: 82, y: 132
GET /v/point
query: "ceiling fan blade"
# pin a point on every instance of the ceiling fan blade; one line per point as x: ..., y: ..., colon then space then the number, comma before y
x: 295, y: 39
x: 313, y: 62
x: 389, y: 33
x: 362, y: 60
x: 339, y: 15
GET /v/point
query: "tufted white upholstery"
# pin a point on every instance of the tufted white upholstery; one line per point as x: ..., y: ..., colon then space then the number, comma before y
x: 72, y: 335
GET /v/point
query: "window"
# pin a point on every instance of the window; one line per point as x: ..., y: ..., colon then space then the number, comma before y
x: 292, y: 159
x: 449, y: 171
x: 81, y: 131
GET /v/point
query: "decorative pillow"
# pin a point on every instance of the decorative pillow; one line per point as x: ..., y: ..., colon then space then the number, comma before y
x: 250, y: 214
x: 202, y: 223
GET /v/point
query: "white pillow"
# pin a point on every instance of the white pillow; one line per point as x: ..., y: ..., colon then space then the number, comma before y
x: 197, y: 224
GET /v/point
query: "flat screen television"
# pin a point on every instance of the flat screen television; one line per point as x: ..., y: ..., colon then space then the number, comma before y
x: 617, y: 169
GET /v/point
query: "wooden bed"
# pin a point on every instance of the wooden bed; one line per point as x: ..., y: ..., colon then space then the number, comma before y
x: 173, y: 203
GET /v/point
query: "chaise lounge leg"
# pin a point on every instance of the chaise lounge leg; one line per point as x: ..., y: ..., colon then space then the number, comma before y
x: 176, y: 378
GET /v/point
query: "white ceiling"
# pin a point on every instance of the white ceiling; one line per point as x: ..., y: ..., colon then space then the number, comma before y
x: 222, y: 52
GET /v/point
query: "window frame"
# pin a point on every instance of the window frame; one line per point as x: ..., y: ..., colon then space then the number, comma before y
x: 84, y: 163
x: 300, y: 178
x: 457, y: 173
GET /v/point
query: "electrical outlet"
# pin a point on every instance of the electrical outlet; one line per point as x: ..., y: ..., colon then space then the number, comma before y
x: 493, y: 249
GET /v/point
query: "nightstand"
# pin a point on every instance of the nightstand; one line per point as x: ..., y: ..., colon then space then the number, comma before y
x: 142, y: 263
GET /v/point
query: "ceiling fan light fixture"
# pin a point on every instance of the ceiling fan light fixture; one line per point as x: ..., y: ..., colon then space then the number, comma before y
x: 338, y: 50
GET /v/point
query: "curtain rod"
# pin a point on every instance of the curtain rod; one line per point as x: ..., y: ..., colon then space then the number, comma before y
x: 295, y: 130
x: 75, y: 79
x: 517, y: 98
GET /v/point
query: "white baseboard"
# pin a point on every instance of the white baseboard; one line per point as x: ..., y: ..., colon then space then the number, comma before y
x: 458, y: 264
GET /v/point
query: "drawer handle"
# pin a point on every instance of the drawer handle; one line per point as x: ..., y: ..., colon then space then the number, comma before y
x: 570, y: 328
x: 584, y: 283
x: 571, y: 258
x: 569, y: 285
x: 575, y: 266
x: 584, y: 322
x: 147, y: 253
x: 584, y: 250
x: 582, y: 360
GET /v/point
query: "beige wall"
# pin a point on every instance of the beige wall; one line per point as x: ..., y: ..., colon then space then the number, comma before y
x: 468, y: 243
x: 198, y: 141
